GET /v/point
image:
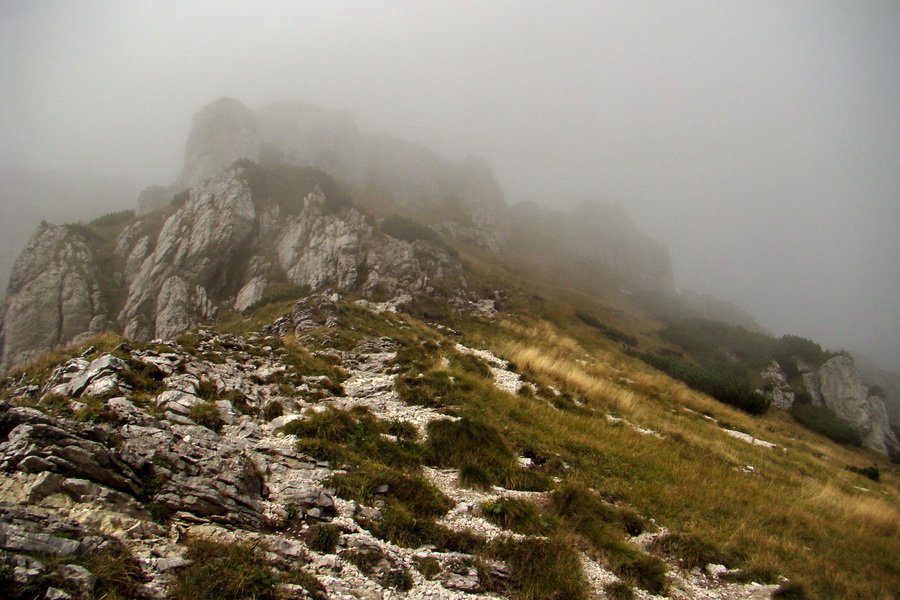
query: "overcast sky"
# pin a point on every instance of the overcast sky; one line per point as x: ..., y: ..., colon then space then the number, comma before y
x: 760, y: 141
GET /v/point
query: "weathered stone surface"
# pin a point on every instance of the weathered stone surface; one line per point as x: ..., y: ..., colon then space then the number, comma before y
x: 251, y: 293
x: 838, y: 385
x: 34, y: 443
x: 777, y: 388
x: 78, y: 577
x: 53, y: 295
x: 192, y: 258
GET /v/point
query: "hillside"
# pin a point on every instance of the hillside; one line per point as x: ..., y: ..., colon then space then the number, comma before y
x: 297, y: 377
x: 368, y: 453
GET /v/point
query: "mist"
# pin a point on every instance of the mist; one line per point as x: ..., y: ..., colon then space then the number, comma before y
x: 760, y: 142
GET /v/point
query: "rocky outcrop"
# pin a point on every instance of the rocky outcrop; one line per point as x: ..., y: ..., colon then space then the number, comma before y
x: 225, y: 246
x: 838, y: 385
x: 776, y: 388
x: 54, y: 296
x: 409, y: 174
x: 194, y: 257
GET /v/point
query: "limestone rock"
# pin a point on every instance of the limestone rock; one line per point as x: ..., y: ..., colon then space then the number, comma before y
x: 777, y: 388
x: 193, y: 257
x: 250, y: 294
x: 53, y: 296
x: 838, y: 385
x: 221, y: 133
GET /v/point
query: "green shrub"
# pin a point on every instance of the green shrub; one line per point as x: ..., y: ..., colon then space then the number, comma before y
x: 691, y: 550
x: 475, y: 477
x: 416, y: 494
x: 287, y: 186
x: 790, y: 591
x: 610, y: 332
x: 331, y: 425
x: 224, y: 572
x: 95, y: 410
x: 526, y: 480
x: 435, y: 388
x: 206, y: 414
x: 823, y: 421
x: 118, y: 573
x: 514, y: 514
x: 871, y: 472
x: 618, y: 590
x: 468, y: 442
x: 723, y: 382
x: 542, y: 569
x: 323, y: 537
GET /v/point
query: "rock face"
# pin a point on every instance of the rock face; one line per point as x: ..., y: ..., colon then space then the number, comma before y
x: 226, y: 245
x: 53, y: 297
x: 193, y: 257
x: 777, y: 388
x: 411, y: 175
x: 837, y: 385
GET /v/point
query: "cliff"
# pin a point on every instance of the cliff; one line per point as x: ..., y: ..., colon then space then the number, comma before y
x: 228, y: 245
x: 411, y: 175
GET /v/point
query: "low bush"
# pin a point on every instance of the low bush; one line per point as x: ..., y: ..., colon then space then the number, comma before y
x: 545, y: 569
x: 618, y: 590
x: 690, y: 550
x: 206, y: 414
x: 468, y: 442
x: 323, y: 537
x: 871, y: 472
x: 824, y: 422
x: 610, y: 332
x: 416, y: 494
x: 514, y: 514
x: 224, y: 572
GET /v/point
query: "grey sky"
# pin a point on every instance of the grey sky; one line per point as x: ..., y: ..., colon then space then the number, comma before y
x: 760, y: 141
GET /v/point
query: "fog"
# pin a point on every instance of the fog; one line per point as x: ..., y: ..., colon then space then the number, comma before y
x: 759, y: 141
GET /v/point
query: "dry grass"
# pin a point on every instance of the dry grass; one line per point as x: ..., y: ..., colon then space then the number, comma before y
x: 799, y: 513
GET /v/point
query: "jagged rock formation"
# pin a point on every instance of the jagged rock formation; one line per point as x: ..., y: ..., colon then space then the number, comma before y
x: 838, y: 385
x: 777, y: 389
x: 224, y: 246
x: 411, y: 175
x: 596, y: 236
x: 53, y: 295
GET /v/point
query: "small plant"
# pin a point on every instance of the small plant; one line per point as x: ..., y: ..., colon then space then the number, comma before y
x: 618, y: 590
x: 419, y: 496
x: 691, y: 550
x: 823, y: 421
x: 429, y: 567
x: 96, y: 410
x: 790, y: 591
x: 514, y: 514
x: 308, y: 582
x: 871, y: 472
x: 542, y: 568
x: 273, y: 410
x: 55, y: 404
x: 403, y: 430
x: 323, y: 537
x: 224, y: 572
x: 330, y: 425
x: 468, y: 442
x: 475, y: 477
x: 206, y: 414
x: 118, y: 573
